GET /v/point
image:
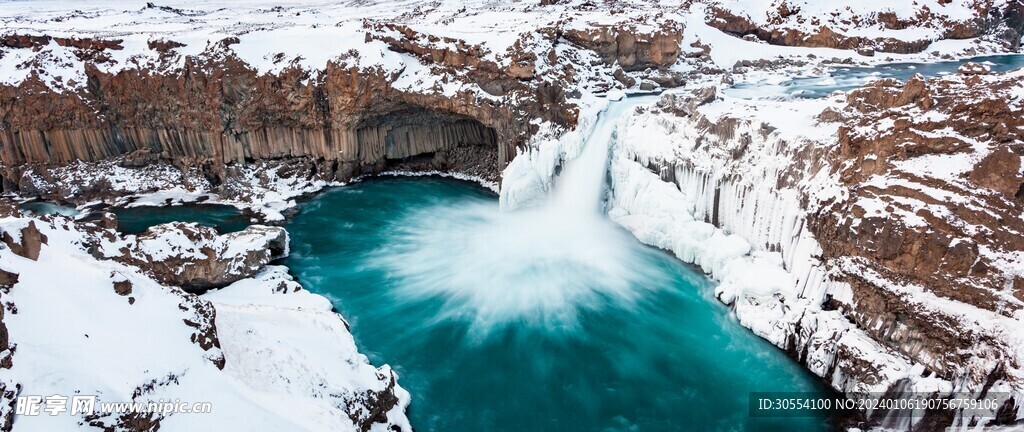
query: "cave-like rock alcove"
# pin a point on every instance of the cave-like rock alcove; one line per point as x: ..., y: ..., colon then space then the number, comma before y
x: 406, y: 133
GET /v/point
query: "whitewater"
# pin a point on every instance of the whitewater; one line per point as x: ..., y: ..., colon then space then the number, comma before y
x: 536, y: 265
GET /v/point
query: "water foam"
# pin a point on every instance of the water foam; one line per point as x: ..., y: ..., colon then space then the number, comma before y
x: 493, y: 268
x: 536, y: 266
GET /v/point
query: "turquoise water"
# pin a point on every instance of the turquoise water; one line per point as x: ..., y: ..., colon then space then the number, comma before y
x: 134, y: 220
x: 499, y: 322
x: 44, y: 207
x: 849, y: 78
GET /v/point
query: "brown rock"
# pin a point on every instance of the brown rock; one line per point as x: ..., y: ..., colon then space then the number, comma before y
x: 999, y: 171
x: 108, y: 220
x: 204, y: 322
x: 9, y: 208
x: 372, y: 407
x: 203, y: 259
x: 7, y: 280
x: 123, y: 288
x: 972, y: 68
x: 621, y: 77
x: 630, y: 50
x: 28, y: 244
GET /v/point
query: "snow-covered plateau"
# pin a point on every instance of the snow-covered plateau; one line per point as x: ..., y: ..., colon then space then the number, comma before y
x: 876, y: 235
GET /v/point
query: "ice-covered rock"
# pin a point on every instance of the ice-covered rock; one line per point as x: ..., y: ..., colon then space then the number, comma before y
x: 744, y: 190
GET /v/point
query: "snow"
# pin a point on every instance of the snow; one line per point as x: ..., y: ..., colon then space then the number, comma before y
x: 260, y: 187
x: 264, y: 327
x: 308, y: 34
x: 766, y: 262
x: 174, y: 195
x: 487, y: 184
x: 711, y: 199
x: 849, y: 18
x: 661, y: 215
x: 727, y: 50
x: 290, y: 362
x: 942, y: 166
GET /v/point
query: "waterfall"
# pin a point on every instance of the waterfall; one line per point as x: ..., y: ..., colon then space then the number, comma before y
x: 539, y: 265
x: 580, y: 187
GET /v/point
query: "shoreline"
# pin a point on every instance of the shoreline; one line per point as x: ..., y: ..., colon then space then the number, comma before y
x: 836, y: 420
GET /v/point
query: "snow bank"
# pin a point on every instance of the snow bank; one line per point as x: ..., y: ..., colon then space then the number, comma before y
x: 267, y: 354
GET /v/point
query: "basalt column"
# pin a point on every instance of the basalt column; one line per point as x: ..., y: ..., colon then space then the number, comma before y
x: 403, y: 134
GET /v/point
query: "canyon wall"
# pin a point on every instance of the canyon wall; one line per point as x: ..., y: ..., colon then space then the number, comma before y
x: 225, y: 112
x: 882, y: 228
x: 398, y: 92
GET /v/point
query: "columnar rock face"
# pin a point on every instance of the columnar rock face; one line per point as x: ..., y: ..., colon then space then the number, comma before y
x: 404, y: 134
x: 222, y: 111
x: 895, y: 213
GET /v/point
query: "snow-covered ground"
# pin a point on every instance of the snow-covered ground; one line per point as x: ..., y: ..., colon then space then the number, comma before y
x: 272, y: 36
x: 266, y: 354
x: 260, y: 187
x: 732, y: 201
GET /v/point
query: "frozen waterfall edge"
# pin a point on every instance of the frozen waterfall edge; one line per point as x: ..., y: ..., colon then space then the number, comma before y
x: 739, y: 209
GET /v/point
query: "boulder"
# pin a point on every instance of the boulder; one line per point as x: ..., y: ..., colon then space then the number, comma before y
x: 197, y: 259
x: 972, y: 68
x: 27, y: 242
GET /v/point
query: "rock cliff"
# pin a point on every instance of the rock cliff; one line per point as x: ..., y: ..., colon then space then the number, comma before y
x: 196, y: 258
x: 391, y: 92
x: 934, y: 203
x: 892, y: 212
x: 883, y: 226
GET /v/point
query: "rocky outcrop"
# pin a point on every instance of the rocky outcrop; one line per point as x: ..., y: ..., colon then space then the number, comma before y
x: 372, y: 407
x: 895, y: 217
x: 196, y: 258
x: 932, y: 203
x: 25, y: 242
x: 629, y: 48
x: 783, y: 22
